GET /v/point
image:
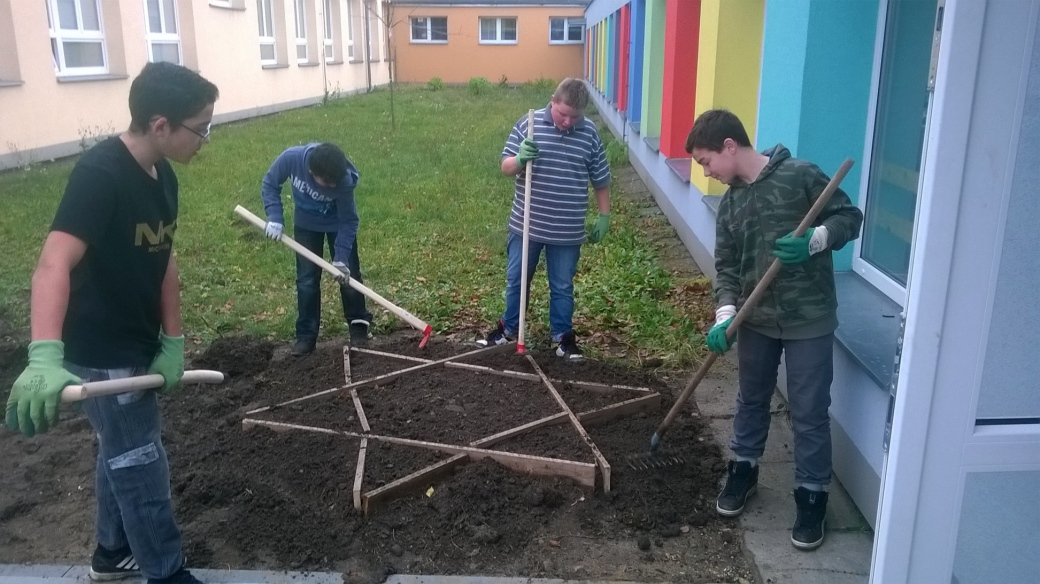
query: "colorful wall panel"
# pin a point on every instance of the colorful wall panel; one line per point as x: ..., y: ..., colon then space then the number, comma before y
x: 682, y: 20
x: 635, y: 61
x: 625, y: 55
x: 728, y: 66
x: 653, y: 68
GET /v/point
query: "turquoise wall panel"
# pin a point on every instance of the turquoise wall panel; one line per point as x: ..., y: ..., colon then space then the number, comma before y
x: 783, y: 66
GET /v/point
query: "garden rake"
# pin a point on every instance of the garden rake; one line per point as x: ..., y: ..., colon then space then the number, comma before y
x: 656, y: 457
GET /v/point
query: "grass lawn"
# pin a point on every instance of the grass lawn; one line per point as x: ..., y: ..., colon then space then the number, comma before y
x: 433, y: 208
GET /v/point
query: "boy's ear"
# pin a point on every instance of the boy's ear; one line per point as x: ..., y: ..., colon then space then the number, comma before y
x: 160, y: 126
x: 729, y: 145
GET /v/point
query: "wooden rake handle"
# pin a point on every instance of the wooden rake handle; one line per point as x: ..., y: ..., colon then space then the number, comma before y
x: 526, y: 237
x: 74, y: 393
x: 401, y: 313
x: 756, y: 295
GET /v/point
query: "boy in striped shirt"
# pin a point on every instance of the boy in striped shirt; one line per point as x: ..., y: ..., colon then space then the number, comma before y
x: 567, y: 155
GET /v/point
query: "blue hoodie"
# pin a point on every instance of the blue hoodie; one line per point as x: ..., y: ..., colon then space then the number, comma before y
x: 316, y: 208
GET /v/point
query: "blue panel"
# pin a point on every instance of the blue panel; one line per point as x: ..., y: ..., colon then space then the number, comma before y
x: 839, y: 61
x: 635, y: 63
x: 999, y: 528
x: 783, y: 64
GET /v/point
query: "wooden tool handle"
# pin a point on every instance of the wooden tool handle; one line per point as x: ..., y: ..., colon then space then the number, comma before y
x: 526, y: 237
x: 756, y: 295
x: 321, y: 263
x: 73, y: 393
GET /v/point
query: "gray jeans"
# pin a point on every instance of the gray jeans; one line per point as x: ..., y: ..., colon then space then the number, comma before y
x: 810, y: 370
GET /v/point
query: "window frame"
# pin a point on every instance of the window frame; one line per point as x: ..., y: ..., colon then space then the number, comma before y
x: 350, y: 30
x: 166, y: 38
x: 329, y: 33
x: 60, y: 36
x: 498, y: 40
x: 566, y: 28
x: 429, y: 30
x: 300, y: 24
x: 266, y: 8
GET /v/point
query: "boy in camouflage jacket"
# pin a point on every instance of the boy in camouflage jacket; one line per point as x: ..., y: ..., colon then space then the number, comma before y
x: 769, y: 194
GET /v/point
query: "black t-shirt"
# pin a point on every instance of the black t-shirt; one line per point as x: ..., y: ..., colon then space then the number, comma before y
x: 128, y: 219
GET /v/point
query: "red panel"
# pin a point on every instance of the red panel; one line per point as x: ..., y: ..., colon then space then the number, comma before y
x: 623, y: 53
x: 681, y: 31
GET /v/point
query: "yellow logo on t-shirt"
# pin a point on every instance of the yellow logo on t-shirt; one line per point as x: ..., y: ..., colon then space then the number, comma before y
x: 158, y: 239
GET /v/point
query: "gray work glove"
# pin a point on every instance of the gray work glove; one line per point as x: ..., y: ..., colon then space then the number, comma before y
x: 344, y: 276
x: 273, y: 230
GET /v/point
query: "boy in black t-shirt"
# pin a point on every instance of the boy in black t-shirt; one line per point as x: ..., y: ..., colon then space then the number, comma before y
x: 106, y: 305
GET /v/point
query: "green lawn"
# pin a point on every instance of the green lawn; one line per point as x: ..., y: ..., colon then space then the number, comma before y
x: 433, y: 207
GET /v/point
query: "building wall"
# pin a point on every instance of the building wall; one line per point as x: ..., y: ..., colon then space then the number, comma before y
x: 43, y: 116
x: 464, y: 57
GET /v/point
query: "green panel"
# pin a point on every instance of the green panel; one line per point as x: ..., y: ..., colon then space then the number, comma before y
x: 653, y: 69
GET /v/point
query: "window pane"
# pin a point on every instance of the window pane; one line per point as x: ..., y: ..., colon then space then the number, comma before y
x: 301, y: 22
x: 89, y: 10
x: 154, y: 22
x: 83, y: 54
x: 418, y: 29
x: 170, y: 14
x: 328, y: 20
x: 556, y: 29
x: 488, y: 29
x: 898, y: 138
x: 267, y: 52
x: 301, y: 52
x: 509, y: 29
x: 67, y: 15
x: 260, y: 17
x: 575, y: 31
x: 440, y: 29
x: 165, y: 52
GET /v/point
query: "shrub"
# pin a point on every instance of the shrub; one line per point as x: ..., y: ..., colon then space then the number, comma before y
x: 479, y: 85
x: 617, y: 153
x: 435, y: 84
x: 542, y: 84
x: 503, y: 83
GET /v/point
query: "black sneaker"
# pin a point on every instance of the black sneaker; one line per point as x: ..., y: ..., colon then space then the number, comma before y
x: 807, y: 533
x: 113, y: 565
x: 359, y: 332
x: 181, y: 576
x: 302, y: 347
x: 568, y: 347
x: 741, y: 483
x: 497, y: 336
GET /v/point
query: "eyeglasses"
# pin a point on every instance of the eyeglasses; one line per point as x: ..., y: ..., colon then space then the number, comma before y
x: 197, y: 133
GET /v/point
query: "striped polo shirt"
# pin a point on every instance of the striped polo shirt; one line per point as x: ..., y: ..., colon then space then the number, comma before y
x: 567, y: 162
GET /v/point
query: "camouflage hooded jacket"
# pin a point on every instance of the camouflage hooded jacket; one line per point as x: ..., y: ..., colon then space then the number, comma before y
x: 800, y: 302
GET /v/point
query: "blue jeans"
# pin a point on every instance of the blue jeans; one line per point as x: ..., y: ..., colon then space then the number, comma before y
x: 561, y: 263
x: 308, y: 284
x: 810, y: 369
x: 132, y: 481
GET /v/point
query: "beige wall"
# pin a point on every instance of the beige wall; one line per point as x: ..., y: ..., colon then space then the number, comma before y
x: 43, y: 116
x: 463, y: 57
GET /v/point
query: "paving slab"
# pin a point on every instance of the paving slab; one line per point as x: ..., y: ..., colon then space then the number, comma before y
x: 64, y: 574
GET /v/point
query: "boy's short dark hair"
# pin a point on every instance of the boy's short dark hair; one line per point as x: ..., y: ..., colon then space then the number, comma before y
x: 171, y: 91
x: 711, y: 129
x: 327, y: 162
x: 572, y: 92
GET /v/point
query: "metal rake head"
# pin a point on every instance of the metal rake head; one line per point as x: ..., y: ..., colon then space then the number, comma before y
x: 643, y: 461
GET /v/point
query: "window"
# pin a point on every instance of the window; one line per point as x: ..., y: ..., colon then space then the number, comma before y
x: 265, y: 16
x: 301, y: 30
x: 350, y: 29
x: 77, y: 39
x: 565, y: 31
x: 161, y: 31
x: 9, y: 71
x: 331, y: 13
x: 430, y: 29
x: 498, y: 31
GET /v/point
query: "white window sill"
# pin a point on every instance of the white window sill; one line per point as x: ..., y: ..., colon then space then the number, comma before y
x: 567, y: 42
x: 85, y: 78
x: 238, y: 5
x: 11, y: 82
x: 274, y: 66
x: 307, y: 64
x: 420, y: 42
x: 498, y: 42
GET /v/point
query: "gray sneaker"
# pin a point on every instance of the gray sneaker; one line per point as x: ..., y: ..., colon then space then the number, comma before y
x: 359, y: 332
x: 106, y: 565
x: 302, y: 347
x: 497, y: 336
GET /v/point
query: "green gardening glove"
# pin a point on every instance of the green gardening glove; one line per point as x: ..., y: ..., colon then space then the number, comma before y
x: 793, y: 250
x: 33, y: 405
x: 600, y: 228
x: 717, y: 341
x: 528, y: 152
x: 169, y: 363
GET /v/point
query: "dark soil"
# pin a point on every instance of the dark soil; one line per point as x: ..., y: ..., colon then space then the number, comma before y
x: 269, y: 500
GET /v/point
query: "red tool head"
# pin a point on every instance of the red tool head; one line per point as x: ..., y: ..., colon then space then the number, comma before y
x: 426, y: 336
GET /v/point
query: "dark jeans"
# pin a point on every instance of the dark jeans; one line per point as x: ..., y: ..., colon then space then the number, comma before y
x: 308, y: 284
x: 561, y: 263
x: 810, y: 369
x: 132, y: 481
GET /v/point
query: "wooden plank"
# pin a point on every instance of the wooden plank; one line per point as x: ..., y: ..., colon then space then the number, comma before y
x: 435, y: 471
x: 604, y: 466
x: 359, y: 472
x: 248, y: 423
x: 360, y: 410
x: 346, y: 365
x: 583, y: 473
x: 592, y: 385
x: 386, y: 377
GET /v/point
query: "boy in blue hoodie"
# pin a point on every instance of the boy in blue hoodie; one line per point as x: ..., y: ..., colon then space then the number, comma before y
x: 323, y: 183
